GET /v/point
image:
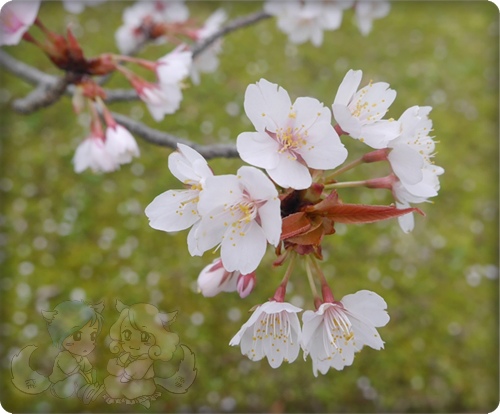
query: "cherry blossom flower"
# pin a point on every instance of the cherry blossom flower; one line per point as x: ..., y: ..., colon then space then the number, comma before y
x: 208, y: 60
x: 359, y: 113
x: 337, y: 330
x: 176, y: 210
x: 289, y: 138
x: 161, y: 99
x: 305, y: 20
x: 241, y: 213
x: 92, y: 153
x: 411, y: 162
x: 214, y: 279
x: 121, y: 144
x: 367, y: 11
x: 174, y: 67
x: 273, y: 331
x: 16, y: 17
x: 77, y: 6
x: 141, y: 16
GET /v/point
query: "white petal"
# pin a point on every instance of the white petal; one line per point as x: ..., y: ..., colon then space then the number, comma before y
x: 267, y: 105
x: 257, y: 184
x: 270, y: 220
x: 348, y: 87
x: 257, y: 148
x: 307, y: 111
x: 290, y: 173
x: 173, y: 210
x: 406, y: 164
x: 219, y: 191
x: 406, y: 222
x: 347, y: 122
x: 243, y: 249
x: 324, y: 153
x: 367, y: 305
x: 379, y: 134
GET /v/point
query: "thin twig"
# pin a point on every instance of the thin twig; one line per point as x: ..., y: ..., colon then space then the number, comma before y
x: 233, y: 25
x: 165, y: 139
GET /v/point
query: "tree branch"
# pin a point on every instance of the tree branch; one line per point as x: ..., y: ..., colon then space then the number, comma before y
x: 49, y: 89
x: 164, y: 139
x: 232, y: 26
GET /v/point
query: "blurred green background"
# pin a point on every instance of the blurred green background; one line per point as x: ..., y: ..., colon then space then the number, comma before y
x: 68, y: 236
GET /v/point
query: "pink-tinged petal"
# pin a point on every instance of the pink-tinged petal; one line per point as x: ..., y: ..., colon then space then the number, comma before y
x: 270, y: 220
x: 290, y: 173
x: 406, y: 164
x: 218, y: 191
x: 257, y: 184
x: 325, y: 153
x: 257, y: 148
x: 308, y: 111
x: 242, y: 248
x: 347, y: 122
x: 369, y: 305
x: 173, y: 210
x: 348, y: 87
x: 267, y: 105
x: 379, y: 134
x: 15, y: 19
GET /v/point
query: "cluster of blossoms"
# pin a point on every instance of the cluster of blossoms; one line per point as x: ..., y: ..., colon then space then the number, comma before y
x: 287, y: 196
x: 167, y: 21
x: 294, y: 206
x: 305, y: 20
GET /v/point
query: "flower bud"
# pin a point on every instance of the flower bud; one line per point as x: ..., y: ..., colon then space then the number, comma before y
x: 214, y: 279
x: 245, y: 284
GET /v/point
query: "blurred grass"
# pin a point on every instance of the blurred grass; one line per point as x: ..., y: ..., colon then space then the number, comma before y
x: 68, y: 236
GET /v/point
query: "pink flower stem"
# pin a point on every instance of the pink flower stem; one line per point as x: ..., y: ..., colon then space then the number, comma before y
x: 325, y: 289
x: 95, y: 123
x: 108, y: 118
x: 142, y: 62
x: 279, y: 295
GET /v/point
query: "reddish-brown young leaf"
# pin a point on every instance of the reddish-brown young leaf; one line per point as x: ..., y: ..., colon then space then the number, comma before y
x: 359, y: 213
x: 295, y: 224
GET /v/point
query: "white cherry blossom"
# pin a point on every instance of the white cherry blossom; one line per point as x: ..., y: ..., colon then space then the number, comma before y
x: 176, y: 210
x: 16, y: 17
x: 120, y: 144
x: 411, y: 162
x: 92, y: 154
x: 208, y: 60
x: 290, y: 139
x: 336, y: 331
x: 273, y: 331
x: 241, y: 213
x: 306, y: 20
x: 161, y: 99
x: 359, y: 113
x: 366, y: 11
x: 77, y: 6
x: 174, y: 67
